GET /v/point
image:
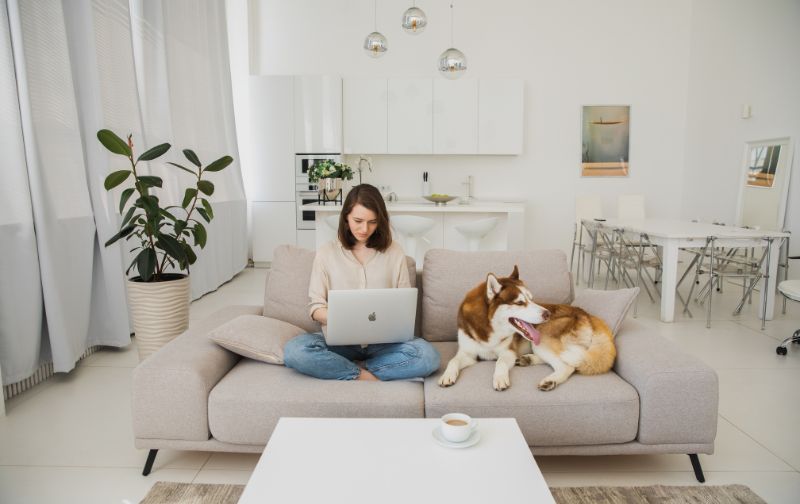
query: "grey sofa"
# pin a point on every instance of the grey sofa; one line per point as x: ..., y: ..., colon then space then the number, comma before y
x: 194, y: 395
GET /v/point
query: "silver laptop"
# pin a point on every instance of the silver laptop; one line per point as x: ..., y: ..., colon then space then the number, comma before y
x: 371, y: 316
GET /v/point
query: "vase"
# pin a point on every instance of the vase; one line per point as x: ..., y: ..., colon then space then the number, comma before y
x: 160, y: 311
x: 329, y: 188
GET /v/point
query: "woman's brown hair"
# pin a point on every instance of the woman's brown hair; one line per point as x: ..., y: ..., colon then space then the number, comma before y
x: 370, y: 198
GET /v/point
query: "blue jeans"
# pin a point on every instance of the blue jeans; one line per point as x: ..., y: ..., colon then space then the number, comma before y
x: 310, y: 355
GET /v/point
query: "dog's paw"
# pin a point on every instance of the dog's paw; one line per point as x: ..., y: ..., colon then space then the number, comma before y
x: 528, y: 360
x: 501, y: 382
x: 448, y: 379
x: 547, y: 384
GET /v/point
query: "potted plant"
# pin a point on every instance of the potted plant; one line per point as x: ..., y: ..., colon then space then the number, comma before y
x: 158, y: 295
x: 329, y: 175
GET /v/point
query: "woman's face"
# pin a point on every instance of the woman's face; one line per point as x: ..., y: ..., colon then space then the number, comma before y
x: 362, y: 223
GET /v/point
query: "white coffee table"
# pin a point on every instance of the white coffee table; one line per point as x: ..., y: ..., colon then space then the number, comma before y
x: 332, y: 460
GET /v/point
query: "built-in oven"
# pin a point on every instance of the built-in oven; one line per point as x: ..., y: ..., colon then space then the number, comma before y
x: 305, y: 218
x: 305, y: 191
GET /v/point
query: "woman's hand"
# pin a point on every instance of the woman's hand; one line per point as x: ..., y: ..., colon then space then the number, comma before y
x: 320, y: 315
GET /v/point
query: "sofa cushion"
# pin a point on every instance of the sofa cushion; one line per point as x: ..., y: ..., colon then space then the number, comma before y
x: 286, y: 291
x: 256, y: 337
x: 246, y: 404
x: 610, y: 305
x: 584, y: 410
x: 448, y: 275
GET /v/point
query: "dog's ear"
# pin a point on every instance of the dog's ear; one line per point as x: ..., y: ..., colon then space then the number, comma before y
x: 492, y: 286
x: 515, y: 274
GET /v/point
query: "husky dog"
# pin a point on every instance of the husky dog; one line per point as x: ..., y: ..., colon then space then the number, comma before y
x: 498, y: 320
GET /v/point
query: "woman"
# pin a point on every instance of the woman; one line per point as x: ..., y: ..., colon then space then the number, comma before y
x: 363, y: 257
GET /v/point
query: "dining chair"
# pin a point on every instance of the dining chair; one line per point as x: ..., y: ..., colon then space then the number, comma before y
x: 630, y: 207
x: 719, y: 263
x: 586, y: 207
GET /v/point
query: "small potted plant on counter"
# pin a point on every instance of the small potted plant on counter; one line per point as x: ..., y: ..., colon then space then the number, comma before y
x: 329, y: 175
x: 159, y: 294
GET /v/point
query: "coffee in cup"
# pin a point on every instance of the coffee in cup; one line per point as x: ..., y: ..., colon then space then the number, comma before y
x: 457, y: 427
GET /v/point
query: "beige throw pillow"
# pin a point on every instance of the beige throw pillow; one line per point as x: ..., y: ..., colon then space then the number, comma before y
x: 610, y: 305
x: 256, y: 337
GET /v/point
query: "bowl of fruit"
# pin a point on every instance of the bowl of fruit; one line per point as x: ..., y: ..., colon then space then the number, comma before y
x: 440, y: 199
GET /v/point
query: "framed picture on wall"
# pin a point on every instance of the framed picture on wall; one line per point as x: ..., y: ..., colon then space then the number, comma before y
x: 605, y: 133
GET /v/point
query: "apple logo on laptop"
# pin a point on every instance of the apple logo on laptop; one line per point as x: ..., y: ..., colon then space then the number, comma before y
x: 371, y: 317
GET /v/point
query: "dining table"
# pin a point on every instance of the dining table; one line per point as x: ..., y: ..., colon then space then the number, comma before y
x: 672, y: 235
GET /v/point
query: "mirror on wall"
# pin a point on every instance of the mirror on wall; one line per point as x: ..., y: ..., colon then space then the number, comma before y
x: 764, y: 186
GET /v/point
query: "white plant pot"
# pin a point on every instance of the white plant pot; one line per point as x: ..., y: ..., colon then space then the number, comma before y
x: 160, y: 311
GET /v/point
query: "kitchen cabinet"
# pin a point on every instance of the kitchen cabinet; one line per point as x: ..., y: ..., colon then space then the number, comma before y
x: 410, y: 116
x: 273, y: 224
x: 271, y: 177
x: 455, y: 116
x: 365, y: 116
x: 317, y: 114
x: 500, y: 116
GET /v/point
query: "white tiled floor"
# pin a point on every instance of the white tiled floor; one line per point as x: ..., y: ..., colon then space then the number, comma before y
x: 69, y: 439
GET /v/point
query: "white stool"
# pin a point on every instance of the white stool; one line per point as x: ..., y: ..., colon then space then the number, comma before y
x: 475, y: 231
x: 412, y: 227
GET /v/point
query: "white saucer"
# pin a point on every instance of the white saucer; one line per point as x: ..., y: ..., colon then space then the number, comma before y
x: 470, y: 441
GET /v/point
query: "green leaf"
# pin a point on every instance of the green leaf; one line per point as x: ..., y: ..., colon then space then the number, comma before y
x: 207, y: 207
x: 146, y: 263
x: 190, y: 255
x: 167, y: 214
x: 155, y: 152
x: 113, y: 143
x: 126, y: 194
x: 202, y: 212
x: 181, y: 167
x: 150, y: 180
x: 122, y: 234
x: 171, y: 246
x: 206, y: 187
x: 191, y: 156
x: 116, y: 178
x: 179, y: 226
x: 128, y: 215
x: 219, y: 164
x: 149, y: 203
x: 189, y: 196
x: 200, y: 236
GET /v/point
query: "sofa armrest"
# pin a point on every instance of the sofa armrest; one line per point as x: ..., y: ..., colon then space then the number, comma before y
x: 170, y: 388
x: 678, y: 393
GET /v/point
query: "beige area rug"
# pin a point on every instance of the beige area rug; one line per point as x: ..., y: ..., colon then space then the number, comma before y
x: 196, y: 493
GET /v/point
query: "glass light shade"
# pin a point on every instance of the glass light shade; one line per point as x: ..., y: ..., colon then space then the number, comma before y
x: 452, y: 63
x: 414, y: 21
x: 375, y: 45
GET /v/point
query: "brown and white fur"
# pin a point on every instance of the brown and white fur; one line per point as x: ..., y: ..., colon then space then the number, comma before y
x: 498, y: 320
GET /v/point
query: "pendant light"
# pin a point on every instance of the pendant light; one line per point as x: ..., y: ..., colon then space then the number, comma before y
x: 414, y: 20
x: 452, y: 62
x: 375, y: 45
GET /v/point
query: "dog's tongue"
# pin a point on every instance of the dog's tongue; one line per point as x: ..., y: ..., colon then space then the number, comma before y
x: 530, y: 332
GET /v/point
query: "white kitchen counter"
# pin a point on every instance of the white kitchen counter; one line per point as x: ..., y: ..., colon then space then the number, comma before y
x: 507, y: 235
x: 478, y: 206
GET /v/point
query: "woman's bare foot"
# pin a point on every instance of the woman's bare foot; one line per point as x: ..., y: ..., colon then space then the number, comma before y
x: 367, y: 376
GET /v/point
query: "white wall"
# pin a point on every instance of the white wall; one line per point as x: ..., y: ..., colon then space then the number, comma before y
x: 742, y: 52
x: 569, y: 54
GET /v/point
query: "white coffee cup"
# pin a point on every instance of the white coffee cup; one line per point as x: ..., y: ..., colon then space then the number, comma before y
x: 457, y: 427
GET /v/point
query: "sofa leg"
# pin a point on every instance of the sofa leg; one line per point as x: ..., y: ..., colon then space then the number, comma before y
x: 698, y: 471
x: 151, y: 457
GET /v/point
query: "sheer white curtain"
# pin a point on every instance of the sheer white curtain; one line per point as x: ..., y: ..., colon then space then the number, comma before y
x: 67, y: 69
x: 183, y: 74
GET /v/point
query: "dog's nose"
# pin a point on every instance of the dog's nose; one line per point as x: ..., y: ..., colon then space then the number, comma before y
x: 546, y: 315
